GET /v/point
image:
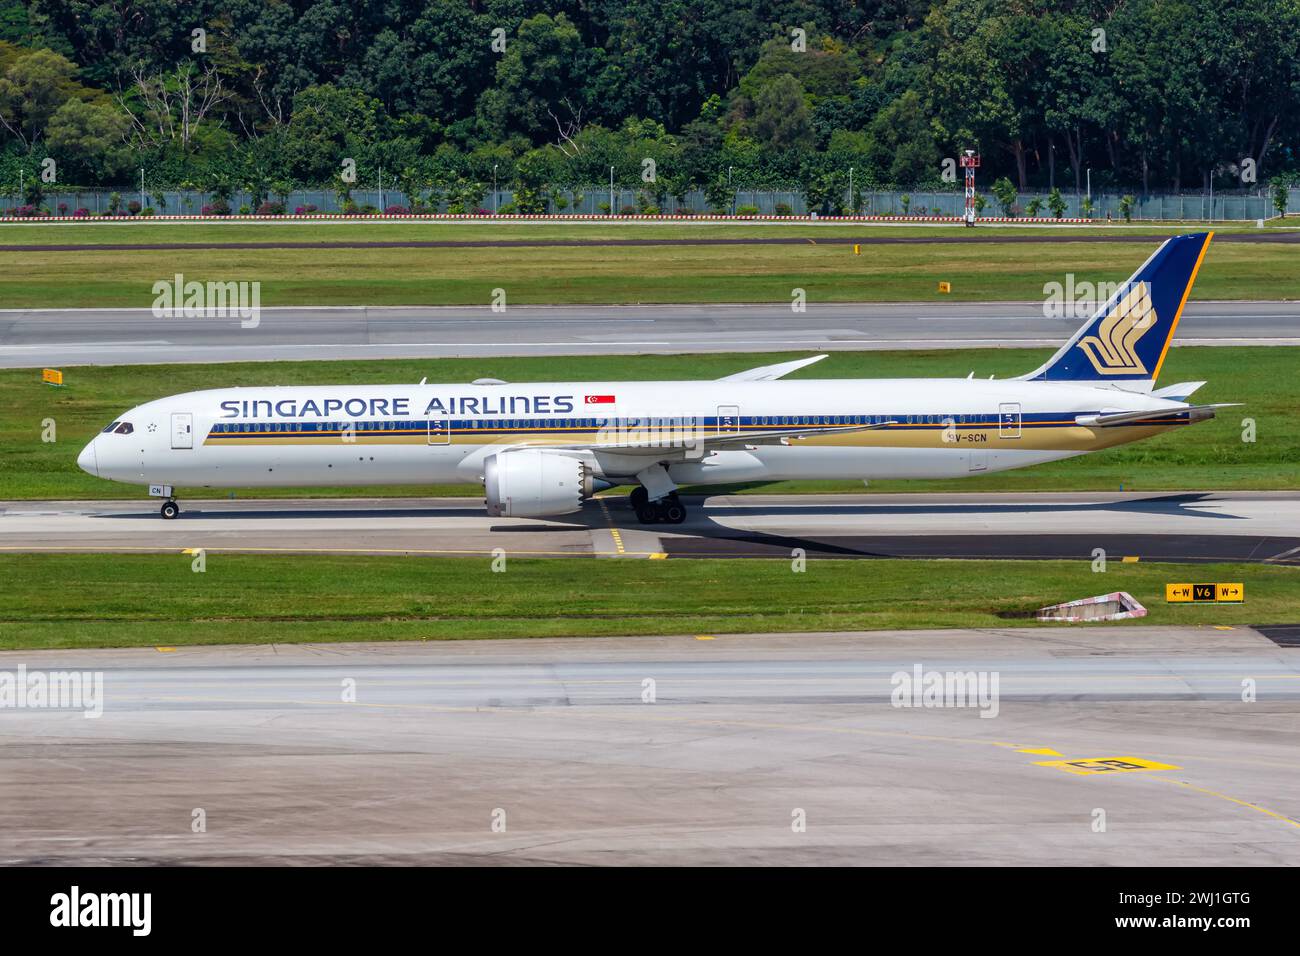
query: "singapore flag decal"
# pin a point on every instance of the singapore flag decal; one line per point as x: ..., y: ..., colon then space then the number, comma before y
x: 600, y: 400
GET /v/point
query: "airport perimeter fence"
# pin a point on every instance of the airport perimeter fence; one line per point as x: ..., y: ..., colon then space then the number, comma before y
x: 596, y: 201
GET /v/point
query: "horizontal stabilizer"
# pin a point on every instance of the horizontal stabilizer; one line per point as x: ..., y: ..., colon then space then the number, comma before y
x: 1155, y: 416
x: 1177, y: 393
x: 770, y: 373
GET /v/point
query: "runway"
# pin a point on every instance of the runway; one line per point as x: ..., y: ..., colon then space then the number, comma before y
x: 1110, y: 746
x: 1151, y: 526
x: 70, y: 337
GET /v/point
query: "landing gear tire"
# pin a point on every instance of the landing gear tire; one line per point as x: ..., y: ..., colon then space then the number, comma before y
x: 667, y: 510
x: 638, y: 499
x: 170, y: 509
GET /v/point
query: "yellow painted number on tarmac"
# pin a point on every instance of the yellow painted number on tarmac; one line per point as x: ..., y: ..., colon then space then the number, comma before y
x: 1092, y: 765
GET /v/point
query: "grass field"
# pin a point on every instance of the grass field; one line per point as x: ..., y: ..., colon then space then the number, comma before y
x: 157, y: 600
x: 1211, y: 455
x: 235, y: 230
x: 616, y: 275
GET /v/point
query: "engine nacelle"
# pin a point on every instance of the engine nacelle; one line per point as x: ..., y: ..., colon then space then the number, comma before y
x: 532, y: 484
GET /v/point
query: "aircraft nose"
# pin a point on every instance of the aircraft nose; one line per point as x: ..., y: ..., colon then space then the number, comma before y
x: 87, y: 461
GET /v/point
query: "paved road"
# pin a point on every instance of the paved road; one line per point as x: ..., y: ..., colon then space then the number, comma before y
x: 744, y: 736
x: 1170, y: 526
x: 37, y: 338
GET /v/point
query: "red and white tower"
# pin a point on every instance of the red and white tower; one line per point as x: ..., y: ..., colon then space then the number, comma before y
x: 970, y: 162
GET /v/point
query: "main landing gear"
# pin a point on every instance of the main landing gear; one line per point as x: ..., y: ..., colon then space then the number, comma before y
x: 667, y: 510
x: 170, y: 509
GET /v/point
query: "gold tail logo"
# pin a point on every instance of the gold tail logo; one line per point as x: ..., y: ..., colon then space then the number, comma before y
x: 1113, y: 350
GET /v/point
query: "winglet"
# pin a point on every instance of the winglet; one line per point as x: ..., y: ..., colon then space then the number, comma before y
x: 769, y: 373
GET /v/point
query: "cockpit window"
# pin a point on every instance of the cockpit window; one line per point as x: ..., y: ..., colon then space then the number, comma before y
x: 109, y: 427
x: 123, y: 429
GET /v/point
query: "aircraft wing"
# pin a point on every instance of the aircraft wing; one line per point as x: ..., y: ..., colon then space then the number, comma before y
x: 1198, y: 413
x: 769, y: 373
x: 671, y: 443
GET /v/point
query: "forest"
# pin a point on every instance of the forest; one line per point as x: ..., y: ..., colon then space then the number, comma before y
x: 448, y: 97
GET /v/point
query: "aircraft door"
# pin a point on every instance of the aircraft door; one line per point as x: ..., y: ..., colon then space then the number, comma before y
x: 728, y: 420
x: 182, y: 430
x: 439, y: 431
x: 1009, y: 420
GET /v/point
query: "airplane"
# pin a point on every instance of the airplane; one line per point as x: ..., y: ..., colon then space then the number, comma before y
x: 542, y: 449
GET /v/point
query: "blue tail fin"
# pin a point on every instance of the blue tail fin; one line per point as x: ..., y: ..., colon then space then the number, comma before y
x: 1125, y: 342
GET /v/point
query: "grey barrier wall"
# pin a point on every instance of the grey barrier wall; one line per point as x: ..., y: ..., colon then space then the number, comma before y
x: 596, y: 201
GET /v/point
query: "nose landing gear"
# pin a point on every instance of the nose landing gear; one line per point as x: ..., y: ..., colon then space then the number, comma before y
x: 666, y: 510
x: 170, y: 509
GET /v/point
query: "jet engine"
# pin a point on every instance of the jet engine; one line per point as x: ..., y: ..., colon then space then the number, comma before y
x: 529, y: 483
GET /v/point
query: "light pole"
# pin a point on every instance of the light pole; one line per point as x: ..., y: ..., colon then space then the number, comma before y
x: 1089, y: 183
x: 142, y: 189
x: 732, y: 191
x: 496, y: 199
x: 1051, y: 166
x: 853, y: 209
x: 611, y: 190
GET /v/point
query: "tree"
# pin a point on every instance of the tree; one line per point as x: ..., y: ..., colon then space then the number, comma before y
x: 781, y: 118
x: 718, y: 194
x: 88, y: 140
x: 169, y: 108
x: 544, y: 65
x: 530, y: 178
x: 1005, y: 193
x: 1281, y: 192
x: 1056, y: 203
x: 1126, y: 206
x: 329, y: 126
x: 902, y: 146
x: 31, y: 90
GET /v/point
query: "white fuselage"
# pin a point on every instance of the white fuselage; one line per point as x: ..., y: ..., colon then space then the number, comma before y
x: 441, y: 434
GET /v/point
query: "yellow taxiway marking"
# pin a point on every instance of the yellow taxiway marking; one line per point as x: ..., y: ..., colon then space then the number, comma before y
x: 1243, y: 803
x: 1092, y: 765
x: 165, y: 650
x: 658, y: 555
x: 1040, y: 751
x: 613, y: 530
x: 704, y: 637
x: 1130, y: 559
